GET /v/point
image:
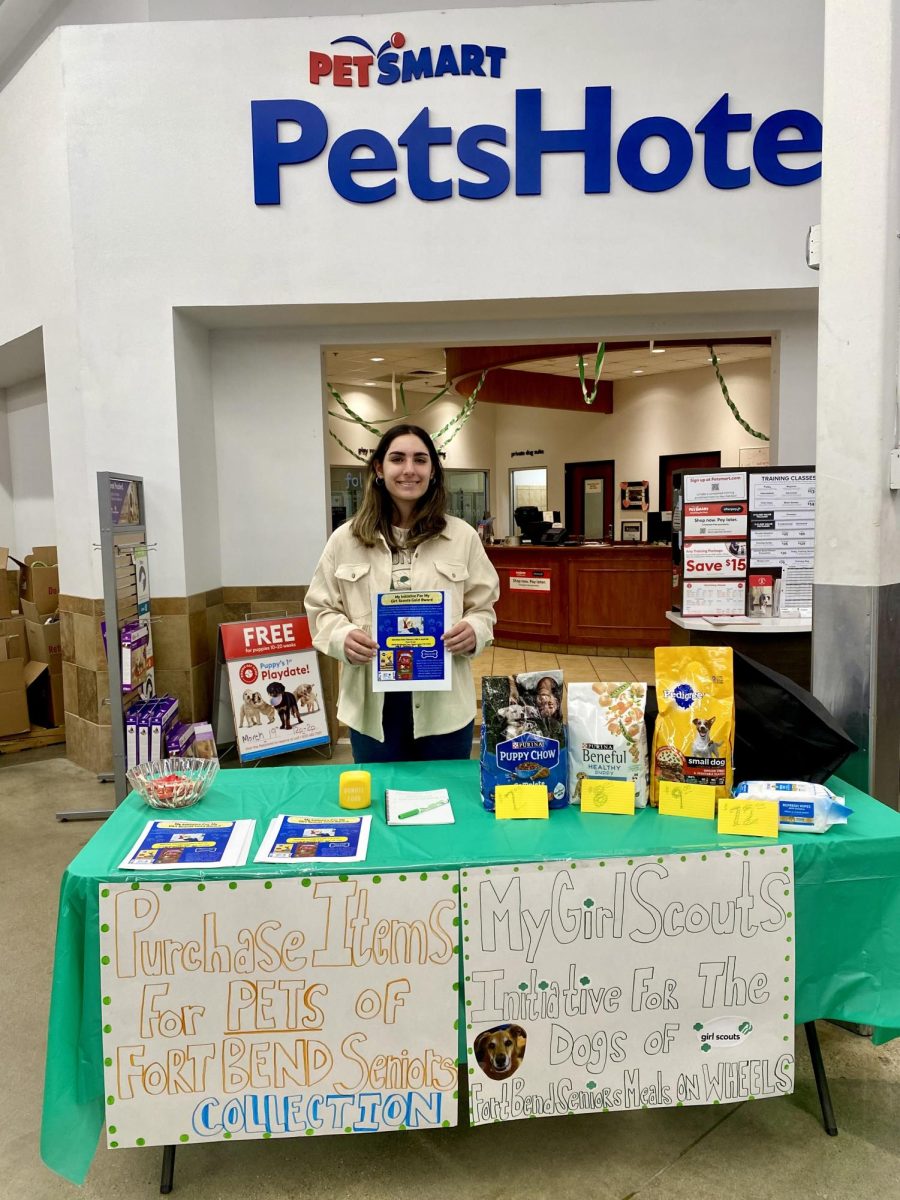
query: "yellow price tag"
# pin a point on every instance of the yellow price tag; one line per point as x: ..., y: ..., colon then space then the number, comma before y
x: 687, y: 800
x: 753, y: 818
x: 517, y: 800
x: 608, y: 796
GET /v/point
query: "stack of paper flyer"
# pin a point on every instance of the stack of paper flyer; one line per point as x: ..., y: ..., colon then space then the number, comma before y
x: 169, y: 845
x: 340, y: 839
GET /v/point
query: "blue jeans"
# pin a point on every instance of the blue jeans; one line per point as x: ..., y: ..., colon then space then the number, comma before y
x: 400, y: 745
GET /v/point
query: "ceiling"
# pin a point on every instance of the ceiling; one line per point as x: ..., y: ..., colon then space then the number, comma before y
x: 421, y: 368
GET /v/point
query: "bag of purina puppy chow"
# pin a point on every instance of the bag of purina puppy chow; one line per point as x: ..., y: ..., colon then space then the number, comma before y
x: 523, y: 735
x: 693, y: 740
x: 607, y: 736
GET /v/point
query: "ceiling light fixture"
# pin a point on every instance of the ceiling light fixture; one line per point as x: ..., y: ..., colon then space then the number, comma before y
x: 654, y: 349
x: 376, y: 360
x: 638, y: 371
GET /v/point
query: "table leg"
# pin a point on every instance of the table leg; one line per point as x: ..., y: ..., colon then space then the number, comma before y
x: 166, y: 1179
x: 815, y: 1054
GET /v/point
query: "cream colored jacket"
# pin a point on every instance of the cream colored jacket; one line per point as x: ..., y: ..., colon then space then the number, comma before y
x: 340, y: 597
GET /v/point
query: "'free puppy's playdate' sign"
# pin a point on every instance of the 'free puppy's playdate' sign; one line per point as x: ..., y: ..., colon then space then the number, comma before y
x: 276, y: 692
x: 275, y: 1008
x: 621, y: 984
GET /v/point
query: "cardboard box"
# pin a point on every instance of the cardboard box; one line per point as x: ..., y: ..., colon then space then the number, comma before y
x: 44, y: 641
x: 16, y: 678
x: 13, y: 630
x: 39, y: 579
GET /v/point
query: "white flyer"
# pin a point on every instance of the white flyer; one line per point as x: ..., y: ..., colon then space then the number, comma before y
x: 714, y: 597
x: 716, y: 486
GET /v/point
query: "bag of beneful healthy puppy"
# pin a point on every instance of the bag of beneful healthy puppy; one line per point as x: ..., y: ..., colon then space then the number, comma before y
x: 693, y: 741
x: 607, y: 736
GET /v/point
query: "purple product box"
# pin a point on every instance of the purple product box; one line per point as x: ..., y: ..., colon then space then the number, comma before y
x: 164, y: 713
x: 179, y: 740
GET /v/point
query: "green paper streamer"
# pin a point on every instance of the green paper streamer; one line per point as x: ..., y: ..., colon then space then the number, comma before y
x: 763, y: 437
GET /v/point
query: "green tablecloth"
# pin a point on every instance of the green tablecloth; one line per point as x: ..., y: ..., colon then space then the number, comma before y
x: 847, y: 902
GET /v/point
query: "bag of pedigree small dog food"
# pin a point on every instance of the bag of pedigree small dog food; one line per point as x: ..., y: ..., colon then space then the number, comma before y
x: 693, y: 741
x: 523, y: 735
x: 607, y: 736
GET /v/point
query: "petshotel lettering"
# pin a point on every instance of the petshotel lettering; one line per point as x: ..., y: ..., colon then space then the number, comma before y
x: 359, y: 152
x: 256, y: 1113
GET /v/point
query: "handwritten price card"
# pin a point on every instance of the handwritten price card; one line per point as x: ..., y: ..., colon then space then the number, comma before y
x: 687, y: 800
x: 625, y: 983
x: 521, y: 800
x: 753, y: 818
x: 279, y: 1007
x: 608, y: 796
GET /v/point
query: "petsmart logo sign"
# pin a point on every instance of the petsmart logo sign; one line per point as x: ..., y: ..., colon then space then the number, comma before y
x: 291, y: 132
x: 349, y: 70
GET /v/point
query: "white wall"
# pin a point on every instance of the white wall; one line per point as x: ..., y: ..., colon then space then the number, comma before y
x: 197, y: 456
x: 31, y: 508
x: 7, y: 523
x: 270, y: 456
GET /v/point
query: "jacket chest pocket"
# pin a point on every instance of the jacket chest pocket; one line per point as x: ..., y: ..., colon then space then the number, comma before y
x: 354, y: 582
x: 452, y: 578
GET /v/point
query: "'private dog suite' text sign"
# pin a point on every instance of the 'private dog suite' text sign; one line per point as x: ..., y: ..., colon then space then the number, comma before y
x: 266, y: 1008
x: 629, y: 983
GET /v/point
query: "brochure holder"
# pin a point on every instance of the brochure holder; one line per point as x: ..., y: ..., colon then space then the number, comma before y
x: 126, y: 597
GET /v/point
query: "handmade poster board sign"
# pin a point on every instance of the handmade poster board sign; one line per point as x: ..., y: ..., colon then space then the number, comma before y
x: 276, y: 692
x: 276, y: 1008
x: 629, y: 983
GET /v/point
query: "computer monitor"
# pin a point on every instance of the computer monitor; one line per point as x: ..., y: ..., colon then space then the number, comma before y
x: 531, y: 523
x: 658, y: 530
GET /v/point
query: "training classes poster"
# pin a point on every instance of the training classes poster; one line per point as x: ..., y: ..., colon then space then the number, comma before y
x: 408, y: 627
x: 629, y: 983
x: 276, y: 692
x: 277, y: 1008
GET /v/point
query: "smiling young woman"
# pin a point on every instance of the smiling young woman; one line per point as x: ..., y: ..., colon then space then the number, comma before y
x: 402, y: 539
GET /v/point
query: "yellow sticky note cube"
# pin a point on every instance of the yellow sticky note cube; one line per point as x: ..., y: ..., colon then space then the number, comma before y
x: 687, y: 800
x: 752, y: 818
x: 517, y: 800
x: 608, y: 796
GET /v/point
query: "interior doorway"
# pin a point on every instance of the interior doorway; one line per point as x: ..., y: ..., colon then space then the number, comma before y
x: 707, y: 460
x: 589, y: 499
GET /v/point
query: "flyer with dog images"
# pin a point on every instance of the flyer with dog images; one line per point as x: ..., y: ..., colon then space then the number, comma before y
x: 411, y: 657
x: 276, y: 691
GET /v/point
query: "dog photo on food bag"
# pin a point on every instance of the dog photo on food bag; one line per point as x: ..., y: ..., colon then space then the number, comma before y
x: 523, y: 736
x: 499, y: 1051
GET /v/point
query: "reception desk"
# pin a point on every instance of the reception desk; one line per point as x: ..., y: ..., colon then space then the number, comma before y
x: 601, y: 596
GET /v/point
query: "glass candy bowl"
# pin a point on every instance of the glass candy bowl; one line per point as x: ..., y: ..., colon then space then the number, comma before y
x: 173, y: 782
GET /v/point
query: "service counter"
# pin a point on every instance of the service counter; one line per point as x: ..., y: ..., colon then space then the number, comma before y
x: 602, y: 596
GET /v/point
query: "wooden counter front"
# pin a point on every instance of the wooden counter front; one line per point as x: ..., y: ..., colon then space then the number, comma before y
x: 585, y: 596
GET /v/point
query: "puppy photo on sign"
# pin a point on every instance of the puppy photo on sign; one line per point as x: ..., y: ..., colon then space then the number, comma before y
x: 499, y: 1051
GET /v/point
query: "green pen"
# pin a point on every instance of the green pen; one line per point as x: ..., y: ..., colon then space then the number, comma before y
x: 417, y: 812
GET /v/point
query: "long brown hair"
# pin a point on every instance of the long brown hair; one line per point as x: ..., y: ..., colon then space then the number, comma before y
x: 376, y: 512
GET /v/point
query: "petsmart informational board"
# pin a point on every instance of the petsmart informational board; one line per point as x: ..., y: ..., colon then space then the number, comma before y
x: 408, y: 627
x: 279, y: 1007
x: 629, y: 983
x: 276, y: 692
